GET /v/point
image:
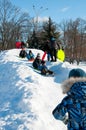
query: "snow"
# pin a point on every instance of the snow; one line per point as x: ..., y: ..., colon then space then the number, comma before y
x: 27, y: 98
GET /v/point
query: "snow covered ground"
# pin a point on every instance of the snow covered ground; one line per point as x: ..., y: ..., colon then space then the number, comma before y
x: 27, y: 98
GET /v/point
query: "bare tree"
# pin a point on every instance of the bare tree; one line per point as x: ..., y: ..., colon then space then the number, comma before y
x: 13, y: 24
x: 74, y: 35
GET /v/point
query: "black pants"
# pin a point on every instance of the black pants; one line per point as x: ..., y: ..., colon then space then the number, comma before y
x: 53, y: 54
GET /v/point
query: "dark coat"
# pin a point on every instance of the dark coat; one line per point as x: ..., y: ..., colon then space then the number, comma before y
x: 37, y: 63
x: 47, y: 47
x: 54, y: 45
x: 22, y: 54
x: 74, y: 104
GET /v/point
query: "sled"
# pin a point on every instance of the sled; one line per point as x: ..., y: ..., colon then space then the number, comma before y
x: 31, y: 59
x: 61, y: 55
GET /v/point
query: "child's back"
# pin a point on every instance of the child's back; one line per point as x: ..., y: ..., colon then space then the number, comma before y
x: 75, y: 102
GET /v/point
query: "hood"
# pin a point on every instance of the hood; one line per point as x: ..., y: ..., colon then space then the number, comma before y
x: 67, y: 84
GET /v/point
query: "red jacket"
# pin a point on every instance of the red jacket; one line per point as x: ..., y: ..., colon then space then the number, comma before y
x: 18, y: 44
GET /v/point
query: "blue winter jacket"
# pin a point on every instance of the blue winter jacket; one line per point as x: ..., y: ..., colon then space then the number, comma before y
x: 74, y: 104
x: 30, y: 56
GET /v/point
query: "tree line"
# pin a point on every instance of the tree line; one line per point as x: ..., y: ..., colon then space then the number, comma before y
x: 15, y: 24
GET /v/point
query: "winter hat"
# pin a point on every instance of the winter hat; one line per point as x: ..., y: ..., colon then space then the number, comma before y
x: 77, y: 73
x: 38, y: 55
x: 52, y: 39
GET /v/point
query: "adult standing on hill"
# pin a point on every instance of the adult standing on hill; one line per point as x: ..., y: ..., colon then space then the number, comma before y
x: 54, y: 47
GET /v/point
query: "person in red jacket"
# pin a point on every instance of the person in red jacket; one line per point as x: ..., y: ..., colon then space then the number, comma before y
x: 18, y: 44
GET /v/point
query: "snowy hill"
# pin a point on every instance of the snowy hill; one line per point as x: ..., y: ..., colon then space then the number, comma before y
x: 27, y: 98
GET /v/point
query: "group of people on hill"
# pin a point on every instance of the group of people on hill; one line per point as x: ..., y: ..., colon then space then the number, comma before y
x: 50, y: 48
x: 72, y: 109
x: 38, y: 63
x: 29, y: 55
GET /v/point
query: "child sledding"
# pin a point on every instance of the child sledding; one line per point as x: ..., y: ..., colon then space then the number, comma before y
x: 41, y: 66
x: 22, y: 53
x: 30, y: 56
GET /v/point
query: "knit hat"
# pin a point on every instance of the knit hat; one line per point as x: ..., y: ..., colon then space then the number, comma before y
x: 38, y: 54
x: 52, y: 39
x: 77, y: 73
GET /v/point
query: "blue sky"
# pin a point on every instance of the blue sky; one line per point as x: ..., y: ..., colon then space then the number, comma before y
x: 58, y: 10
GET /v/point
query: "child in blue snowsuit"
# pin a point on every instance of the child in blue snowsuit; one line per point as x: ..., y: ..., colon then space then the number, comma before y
x: 74, y: 104
x: 30, y: 55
